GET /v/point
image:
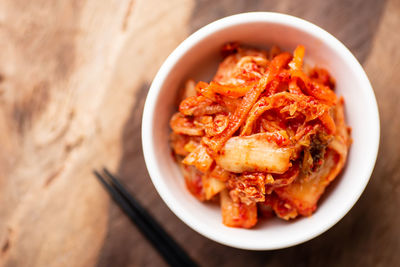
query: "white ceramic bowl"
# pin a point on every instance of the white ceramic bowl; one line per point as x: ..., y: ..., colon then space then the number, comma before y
x: 197, y: 57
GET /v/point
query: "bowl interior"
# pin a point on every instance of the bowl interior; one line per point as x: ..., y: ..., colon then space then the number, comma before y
x: 198, y: 58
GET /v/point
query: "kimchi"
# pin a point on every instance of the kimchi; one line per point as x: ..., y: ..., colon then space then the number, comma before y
x: 265, y: 137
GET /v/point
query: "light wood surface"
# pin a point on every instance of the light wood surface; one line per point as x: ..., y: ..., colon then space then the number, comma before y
x: 73, y: 79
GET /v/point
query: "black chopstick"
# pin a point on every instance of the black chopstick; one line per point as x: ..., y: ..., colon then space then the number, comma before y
x: 173, y: 254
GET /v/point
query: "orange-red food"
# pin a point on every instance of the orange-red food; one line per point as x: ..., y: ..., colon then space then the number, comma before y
x: 264, y: 136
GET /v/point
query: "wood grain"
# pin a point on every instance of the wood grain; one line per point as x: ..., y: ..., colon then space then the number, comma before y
x: 68, y: 82
x: 52, y: 75
x: 73, y: 79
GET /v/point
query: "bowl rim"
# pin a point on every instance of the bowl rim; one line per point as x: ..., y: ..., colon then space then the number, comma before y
x: 218, y: 25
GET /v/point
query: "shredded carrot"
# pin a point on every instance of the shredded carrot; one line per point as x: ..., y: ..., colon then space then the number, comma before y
x: 217, y: 142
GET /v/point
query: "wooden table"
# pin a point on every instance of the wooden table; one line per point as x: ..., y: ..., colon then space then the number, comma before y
x: 73, y: 79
